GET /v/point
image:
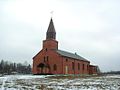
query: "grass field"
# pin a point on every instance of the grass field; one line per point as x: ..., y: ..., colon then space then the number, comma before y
x: 32, y: 82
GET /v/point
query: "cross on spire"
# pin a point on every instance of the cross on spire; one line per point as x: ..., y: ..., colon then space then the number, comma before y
x: 52, y: 13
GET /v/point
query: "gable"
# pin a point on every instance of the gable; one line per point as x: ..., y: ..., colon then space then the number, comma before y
x: 37, y: 54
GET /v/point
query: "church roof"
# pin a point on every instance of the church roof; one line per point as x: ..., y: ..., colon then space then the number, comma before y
x: 71, y: 55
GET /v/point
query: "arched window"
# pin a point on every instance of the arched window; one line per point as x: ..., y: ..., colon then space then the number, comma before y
x: 66, y: 60
x: 54, y: 67
x: 73, y: 67
x: 44, y: 59
x: 47, y: 58
x: 83, y: 66
x: 78, y: 66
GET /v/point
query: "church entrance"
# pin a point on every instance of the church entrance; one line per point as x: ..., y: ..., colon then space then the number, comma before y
x: 43, y: 68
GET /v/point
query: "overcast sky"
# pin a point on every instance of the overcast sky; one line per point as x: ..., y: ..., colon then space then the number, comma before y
x: 91, y: 28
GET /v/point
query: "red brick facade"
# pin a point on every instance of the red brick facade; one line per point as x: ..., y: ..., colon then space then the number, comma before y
x: 93, y: 69
x: 51, y: 60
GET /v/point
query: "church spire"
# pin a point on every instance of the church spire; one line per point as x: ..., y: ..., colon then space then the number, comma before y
x: 51, y: 34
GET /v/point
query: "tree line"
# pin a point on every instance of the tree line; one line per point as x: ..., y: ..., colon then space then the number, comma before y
x: 112, y: 72
x: 7, y: 67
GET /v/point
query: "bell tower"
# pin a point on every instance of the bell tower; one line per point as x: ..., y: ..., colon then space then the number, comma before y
x: 50, y: 42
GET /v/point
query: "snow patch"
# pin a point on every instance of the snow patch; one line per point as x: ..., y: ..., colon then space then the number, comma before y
x: 43, y: 82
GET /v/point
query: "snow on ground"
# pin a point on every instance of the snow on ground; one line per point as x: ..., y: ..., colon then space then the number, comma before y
x: 43, y: 82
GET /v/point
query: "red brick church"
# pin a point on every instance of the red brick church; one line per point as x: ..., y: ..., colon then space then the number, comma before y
x: 51, y: 60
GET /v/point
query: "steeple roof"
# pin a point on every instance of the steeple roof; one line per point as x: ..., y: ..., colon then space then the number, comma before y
x: 51, y: 26
x: 51, y: 34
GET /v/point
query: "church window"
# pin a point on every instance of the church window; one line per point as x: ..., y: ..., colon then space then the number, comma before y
x: 44, y: 59
x: 46, y: 49
x: 55, y: 67
x: 73, y: 65
x: 66, y: 60
x: 78, y: 66
x: 47, y: 58
x: 83, y: 66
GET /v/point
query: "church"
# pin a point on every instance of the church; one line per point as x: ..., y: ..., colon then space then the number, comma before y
x: 52, y: 60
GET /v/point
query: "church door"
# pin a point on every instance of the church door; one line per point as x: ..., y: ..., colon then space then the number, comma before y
x: 41, y: 66
x: 66, y: 69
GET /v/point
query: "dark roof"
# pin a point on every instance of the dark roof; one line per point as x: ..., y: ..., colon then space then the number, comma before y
x: 51, y: 34
x: 51, y: 26
x: 71, y: 55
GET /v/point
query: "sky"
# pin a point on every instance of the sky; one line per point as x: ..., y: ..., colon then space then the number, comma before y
x: 88, y: 27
